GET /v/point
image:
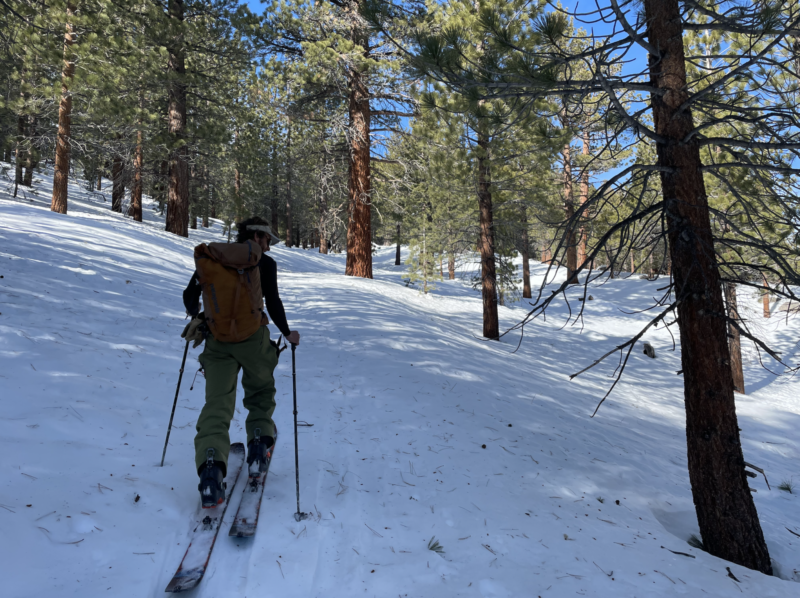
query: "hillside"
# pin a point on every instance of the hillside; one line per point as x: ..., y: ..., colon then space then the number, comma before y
x: 403, y: 395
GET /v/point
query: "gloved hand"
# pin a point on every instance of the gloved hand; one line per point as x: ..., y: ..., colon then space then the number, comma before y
x: 196, y: 331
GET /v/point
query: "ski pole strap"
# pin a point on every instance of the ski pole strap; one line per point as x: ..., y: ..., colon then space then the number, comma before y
x: 277, y: 346
x: 200, y: 370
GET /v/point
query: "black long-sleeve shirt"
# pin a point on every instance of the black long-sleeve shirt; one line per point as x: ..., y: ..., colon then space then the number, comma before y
x: 268, y: 270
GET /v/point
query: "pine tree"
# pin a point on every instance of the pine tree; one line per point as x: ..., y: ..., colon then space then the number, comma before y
x: 62, y: 162
x: 348, y: 64
x: 688, y: 116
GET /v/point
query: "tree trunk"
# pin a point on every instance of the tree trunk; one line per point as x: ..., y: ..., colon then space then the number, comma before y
x: 178, y: 195
x: 194, y: 202
x: 584, y: 197
x: 359, y: 229
x: 765, y: 299
x: 726, y: 513
x: 212, y: 204
x: 31, y: 156
x: 323, y: 214
x: 19, y: 158
x: 161, y: 185
x: 569, y: 209
x: 61, y: 170
x: 240, y: 211
x: 633, y: 269
x: 526, y: 258
x: 491, y: 324
x: 117, y: 187
x: 206, y: 197
x: 451, y: 265
x: 734, y: 340
x: 289, y: 230
x: 397, y: 248
x: 135, y: 209
x: 273, y: 206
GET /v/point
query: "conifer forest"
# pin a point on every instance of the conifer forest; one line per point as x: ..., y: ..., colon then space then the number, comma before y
x: 534, y: 152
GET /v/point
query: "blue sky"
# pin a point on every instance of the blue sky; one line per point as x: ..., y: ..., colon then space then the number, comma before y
x: 255, y: 5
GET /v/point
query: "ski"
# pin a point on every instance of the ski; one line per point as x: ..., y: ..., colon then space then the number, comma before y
x: 246, y: 520
x: 204, y: 535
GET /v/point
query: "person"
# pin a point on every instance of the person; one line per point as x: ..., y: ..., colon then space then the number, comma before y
x: 257, y: 355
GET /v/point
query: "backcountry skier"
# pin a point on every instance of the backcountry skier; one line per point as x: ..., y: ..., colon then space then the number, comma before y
x: 232, y: 279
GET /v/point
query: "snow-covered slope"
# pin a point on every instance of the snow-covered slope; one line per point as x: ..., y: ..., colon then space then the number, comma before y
x: 403, y: 396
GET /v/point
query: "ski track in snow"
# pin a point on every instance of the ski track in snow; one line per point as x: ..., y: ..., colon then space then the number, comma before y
x: 402, y: 394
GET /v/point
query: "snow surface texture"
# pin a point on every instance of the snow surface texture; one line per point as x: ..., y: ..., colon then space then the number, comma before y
x: 402, y: 394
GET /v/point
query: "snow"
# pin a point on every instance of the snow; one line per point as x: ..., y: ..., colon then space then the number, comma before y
x: 402, y: 393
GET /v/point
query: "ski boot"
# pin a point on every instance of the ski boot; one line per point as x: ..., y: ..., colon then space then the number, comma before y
x: 211, y: 486
x: 259, y: 453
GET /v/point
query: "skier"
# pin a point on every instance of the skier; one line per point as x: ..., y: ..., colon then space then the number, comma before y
x: 232, y: 279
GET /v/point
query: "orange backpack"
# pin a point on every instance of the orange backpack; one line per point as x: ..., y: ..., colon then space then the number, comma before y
x: 231, y: 285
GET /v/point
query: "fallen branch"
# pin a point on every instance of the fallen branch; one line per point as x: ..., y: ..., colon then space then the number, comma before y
x: 691, y: 556
x: 759, y: 470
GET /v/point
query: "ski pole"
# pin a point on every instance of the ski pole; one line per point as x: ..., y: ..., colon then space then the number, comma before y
x: 298, y: 516
x: 175, y: 403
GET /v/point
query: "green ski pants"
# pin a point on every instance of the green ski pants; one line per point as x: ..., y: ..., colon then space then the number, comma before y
x: 222, y: 362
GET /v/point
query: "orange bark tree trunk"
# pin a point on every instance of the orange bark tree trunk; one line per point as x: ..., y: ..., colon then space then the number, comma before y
x: 726, y: 513
x: 359, y: 185
x: 178, y: 193
x: 734, y: 339
x: 61, y: 170
x: 135, y: 209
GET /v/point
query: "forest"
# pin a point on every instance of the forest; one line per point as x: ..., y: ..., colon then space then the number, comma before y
x: 655, y: 138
